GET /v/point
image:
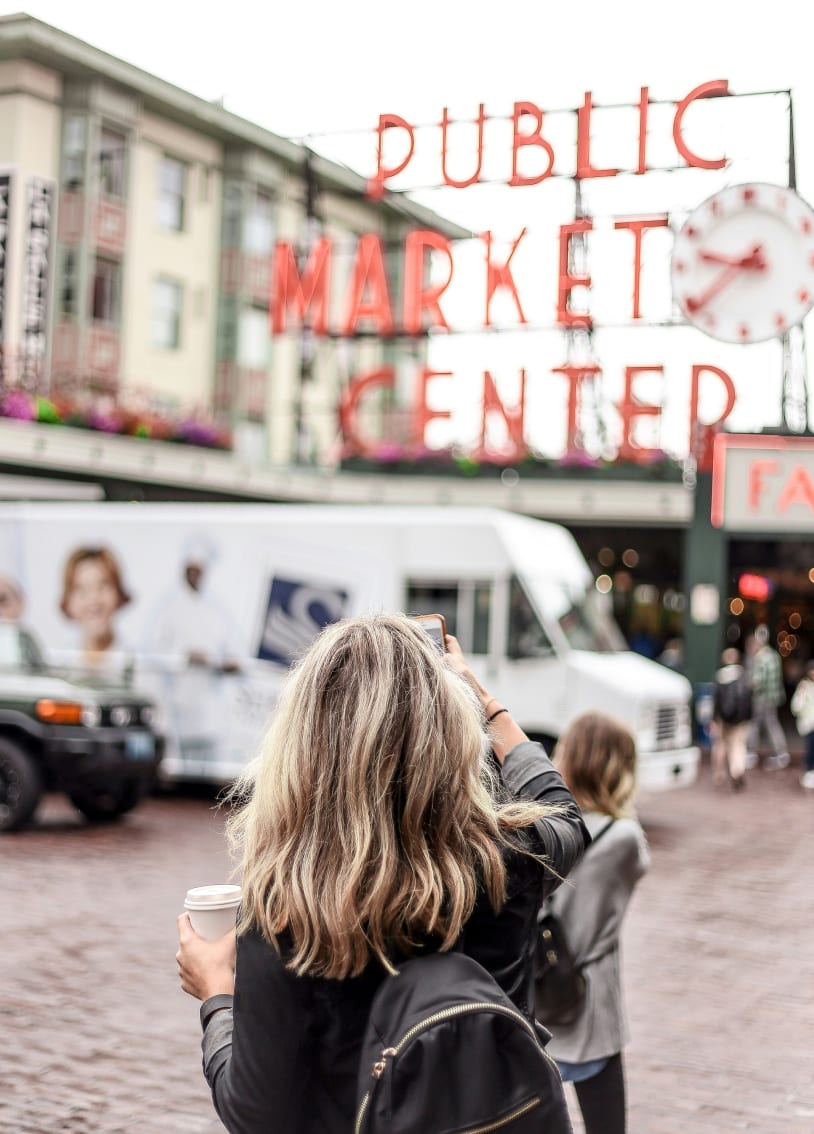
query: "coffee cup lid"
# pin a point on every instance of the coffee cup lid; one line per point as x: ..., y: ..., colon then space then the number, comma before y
x: 205, y: 897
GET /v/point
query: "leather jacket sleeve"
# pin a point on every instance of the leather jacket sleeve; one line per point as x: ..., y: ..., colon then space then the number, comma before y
x: 563, y: 837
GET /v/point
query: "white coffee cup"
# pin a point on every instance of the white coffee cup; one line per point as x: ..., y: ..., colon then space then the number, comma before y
x: 212, y: 909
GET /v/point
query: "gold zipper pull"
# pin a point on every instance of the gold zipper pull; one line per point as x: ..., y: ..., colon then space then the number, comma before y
x: 378, y: 1068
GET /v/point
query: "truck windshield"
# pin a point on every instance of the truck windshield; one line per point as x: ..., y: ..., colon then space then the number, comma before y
x: 586, y: 625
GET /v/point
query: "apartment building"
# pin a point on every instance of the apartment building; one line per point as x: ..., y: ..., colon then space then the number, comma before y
x: 137, y: 223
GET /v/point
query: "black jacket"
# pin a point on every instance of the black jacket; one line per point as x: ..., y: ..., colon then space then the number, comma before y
x: 285, y: 1059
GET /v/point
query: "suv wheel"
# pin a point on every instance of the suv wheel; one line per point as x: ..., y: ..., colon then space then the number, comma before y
x: 102, y: 805
x: 20, y: 786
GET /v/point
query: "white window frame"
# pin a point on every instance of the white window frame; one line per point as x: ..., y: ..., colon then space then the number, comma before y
x: 171, y: 200
x: 166, y: 314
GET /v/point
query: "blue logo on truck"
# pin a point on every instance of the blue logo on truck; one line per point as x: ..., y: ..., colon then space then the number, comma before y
x: 295, y: 614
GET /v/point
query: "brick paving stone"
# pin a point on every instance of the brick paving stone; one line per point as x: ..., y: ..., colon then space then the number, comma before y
x: 97, y: 1038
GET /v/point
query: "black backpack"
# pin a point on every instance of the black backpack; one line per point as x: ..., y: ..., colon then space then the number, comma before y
x: 733, y: 700
x: 446, y: 1050
x: 559, y: 980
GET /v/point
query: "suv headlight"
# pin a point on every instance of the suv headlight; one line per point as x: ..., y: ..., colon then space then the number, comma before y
x: 120, y: 715
x: 147, y: 715
x: 91, y: 716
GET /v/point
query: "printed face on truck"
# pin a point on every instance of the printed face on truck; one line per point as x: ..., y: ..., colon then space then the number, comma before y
x: 92, y: 593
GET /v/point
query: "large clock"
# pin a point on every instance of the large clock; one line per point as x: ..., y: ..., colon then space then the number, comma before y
x: 743, y: 263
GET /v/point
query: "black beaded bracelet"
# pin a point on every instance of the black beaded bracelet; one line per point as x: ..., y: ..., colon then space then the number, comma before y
x: 496, y: 714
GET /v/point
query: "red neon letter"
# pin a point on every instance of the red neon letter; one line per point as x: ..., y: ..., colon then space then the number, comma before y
x: 706, y: 90
x: 637, y: 227
x: 368, y: 271
x: 375, y: 186
x: 521, y: 109
x: 416, y: 296
x: 476, y: 175
x: 757, y: 470
x: 566, y: 317
x: 574, y: 374
x: 289, y: 289
x: 631, y: 408
x: 644, y: 103
x: 798, y: 490
x: 422, y: 414
x: 513, y: 419
x: 584, y: 167
x: 695, y: 386
x: 354, y: 444
x: 500, y: 275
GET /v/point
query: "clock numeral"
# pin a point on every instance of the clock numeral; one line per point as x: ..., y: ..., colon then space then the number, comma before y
x: 743, y: 330
x: 780, y: 321
x: 749, y: 193
x: 803, y: 295
x: 805, y: 225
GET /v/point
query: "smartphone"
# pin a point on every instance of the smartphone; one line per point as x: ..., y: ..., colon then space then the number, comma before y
x: 435, y: 626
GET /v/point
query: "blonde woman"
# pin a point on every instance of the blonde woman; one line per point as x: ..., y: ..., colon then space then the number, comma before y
x: 374, y: 829
x: 597, y: 758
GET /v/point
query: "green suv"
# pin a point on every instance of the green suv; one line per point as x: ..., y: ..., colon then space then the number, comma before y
x: 92, y: 740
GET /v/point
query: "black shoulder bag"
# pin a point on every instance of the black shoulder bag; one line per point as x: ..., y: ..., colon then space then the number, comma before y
x: 559, y: 983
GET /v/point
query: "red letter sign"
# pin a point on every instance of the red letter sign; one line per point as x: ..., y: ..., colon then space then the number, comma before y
x: 354, y: 443
x: 500, y: 275
x: 534, y: 139
x: 706, y: 90
x: 637, y: 227
x: 375, y: 186
x: 473, y: 180
x: 584, y: 167
x: 416, y: 296
x: 566, y: 317
x: 289, y: 289
x: 630, y: 408
x: 368, y: 271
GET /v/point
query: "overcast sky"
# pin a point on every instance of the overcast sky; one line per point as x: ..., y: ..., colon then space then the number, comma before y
x: 301, y: 68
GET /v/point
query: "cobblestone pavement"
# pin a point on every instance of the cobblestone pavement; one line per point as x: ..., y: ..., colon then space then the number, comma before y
x: 97, y: 1038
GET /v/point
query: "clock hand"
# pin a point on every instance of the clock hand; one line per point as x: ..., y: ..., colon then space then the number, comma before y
x: 754, y: 261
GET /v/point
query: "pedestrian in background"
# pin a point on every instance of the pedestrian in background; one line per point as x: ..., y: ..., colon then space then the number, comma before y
x: 768, y: 693
x: 731, y: 720
x: 374, y: 829
x: 597, y: 758
x: 802, y: 706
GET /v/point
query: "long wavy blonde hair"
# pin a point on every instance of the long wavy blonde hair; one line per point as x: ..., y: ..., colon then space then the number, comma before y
x: 371, y: 817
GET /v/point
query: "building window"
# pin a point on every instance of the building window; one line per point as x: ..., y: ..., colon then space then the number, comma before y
x: 165, y: 314
x: 107, y: 290
x: 73, y: 153
x: 232, y: 209
x: 172, y: 176
x: 112, y: 151
x: 68, y: 284
x: 253, y: 338
x: 258, y: 231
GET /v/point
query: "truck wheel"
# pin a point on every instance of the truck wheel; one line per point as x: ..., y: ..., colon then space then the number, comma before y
x: 103, y: 805
x: 20, y: 786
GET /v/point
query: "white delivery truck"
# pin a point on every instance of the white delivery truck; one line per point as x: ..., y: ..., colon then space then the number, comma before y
x: 204, y: 606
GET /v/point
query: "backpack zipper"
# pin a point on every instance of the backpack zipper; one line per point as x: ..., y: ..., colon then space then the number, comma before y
x: 447, y: 1014
x: 521, y: 1110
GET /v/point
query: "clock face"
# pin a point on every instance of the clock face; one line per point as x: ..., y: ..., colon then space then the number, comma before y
x: 743, y: 263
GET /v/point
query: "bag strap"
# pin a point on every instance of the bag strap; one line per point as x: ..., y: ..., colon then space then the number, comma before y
x: 599, y: 834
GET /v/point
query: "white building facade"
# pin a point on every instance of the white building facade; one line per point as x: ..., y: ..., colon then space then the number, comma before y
x: 137, y: 224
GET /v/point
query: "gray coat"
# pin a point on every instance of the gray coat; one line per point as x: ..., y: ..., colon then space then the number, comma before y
x: 591, y: 906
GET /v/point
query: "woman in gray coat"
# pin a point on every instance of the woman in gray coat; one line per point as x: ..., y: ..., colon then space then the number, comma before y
x: 596, y: 757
